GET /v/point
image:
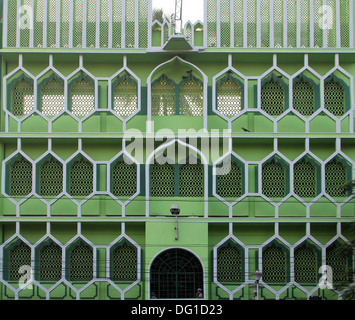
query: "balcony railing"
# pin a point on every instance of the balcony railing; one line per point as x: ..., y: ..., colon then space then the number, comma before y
x: 127, y: 24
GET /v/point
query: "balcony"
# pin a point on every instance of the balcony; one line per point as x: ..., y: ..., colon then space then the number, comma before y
x: 127, y: 25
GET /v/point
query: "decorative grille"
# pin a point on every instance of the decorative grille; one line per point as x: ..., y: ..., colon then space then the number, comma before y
x: 82, y: 98
x: 51, y: 178
x: 305, y: 265
x: 116, y: 23
x: 124, y: 263
x: 274, y: 179
x: 50, y: 263
x: 163, y: 98
x: 191, y: 180
x: 52, y: 95
x: 124, y: 179
x: 335, y: 178
x: 229, y: 97
x: 20, y: 178
x: 274, y: 265
x: 339, y: 264
x: 304, y: 179
x: 303, y: 97
x: 81, y: 178
x: 22, y: 98
x: 64, y: 23
x: 229, y: 264
x: 125, y: 100
x: 273, y: 97
x: 20, y: 255
x: 81, y: 263
x: 334, y: 97
x: 130, y: 23
x: 162, y: 180
x: 230, y: 185
x: 191, y: 99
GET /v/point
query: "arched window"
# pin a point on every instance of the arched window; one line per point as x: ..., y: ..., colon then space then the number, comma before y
x: 304, y: 97
x: 229, y: 97
x: 52, y: 97
x: 273, y: 97
x: 50, y: 262
x: 22, y: 98
x: 20, y: 178
x: 191, y: 180
x: 124, y: 263
x: 125, y: 99
x: 163, y: 97
x: 334, y: 97
x: 305, y: 179
x: 274, y: 179
x: 335, y: 178
x: 162, y: 180
x: 81, y: 179
x: 274, y: 264
x: 124, y: 179
x: 229, y: 264
x: 230, y: 185
x: 82, y: 97
x: 51, y: 178
x: 81, y: 262
x: 175, y: 273
x: 191, y: 98
x: 340, y: 264
x: 306, y: 265
x: 19, y: 255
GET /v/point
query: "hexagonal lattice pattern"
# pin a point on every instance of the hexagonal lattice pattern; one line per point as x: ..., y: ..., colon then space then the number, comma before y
x: 82, y: 98
x: 304, y: 179
x: 274, y: 264
x: 305, y: 265
x: 304, y: 97
x: 52, y: 98
x: 231, y: 184
x: 19, y: 255
x: 163, y: 98
x: 50, y: 262
x: 335, y: 178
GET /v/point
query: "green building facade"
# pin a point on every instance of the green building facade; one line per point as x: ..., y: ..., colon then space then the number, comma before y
x: 244, y: 120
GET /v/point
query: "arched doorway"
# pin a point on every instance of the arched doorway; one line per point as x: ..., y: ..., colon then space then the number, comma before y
x: 175, y: 274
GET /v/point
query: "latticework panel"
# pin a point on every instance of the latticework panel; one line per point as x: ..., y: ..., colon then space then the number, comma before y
x: 19, y: 255
x: 229, y: 97
x: 12, y: 12
x: 38, y: 24
x: 20, y: 178
x: 51, y: 178
x: 81, y: 178
x: 305, y: 265
x: 78, y: 23
x: 91, y: 24
x: 304, y: 97
x: 163, y: 98
x: 130, y: 34
x: 273, y: 97
x: 278, y: 24
x: 334, y: 97
x: 274, y: 265
x: 265, y: 23
x: 64, y: 23
x: 339, y: 264
x: 225, y: 29
x: 82, y: 98
x: 125, y: 100
x: 81, y: 263
x: 191, y: 98
x: 238, y: 23
x: 52, y: 98
x: 51, y: 23
x: 22, y: 98
x: 251, y: 31
x: 124, y: 179
x: 212, y: 23
x: 104, y: 23
x: 50, y: 263
x: 143, y: 23
x: 274, y: 179
x: 292, y: 23
x: 230, y: 185
x: 229, y: 264
x: 305, y: 179
x: 116, y: 23
x: 162, y: 180
x: 335, y: 178
x: 124, y: 263
x: 191, y: 180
